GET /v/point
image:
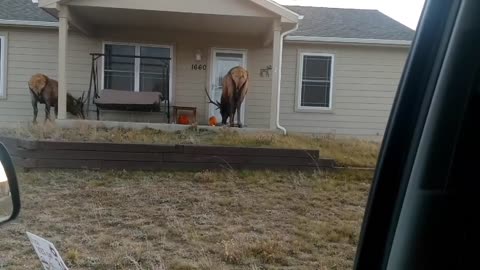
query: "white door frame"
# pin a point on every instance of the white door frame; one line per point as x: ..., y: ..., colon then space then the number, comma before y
x: 213, y: 71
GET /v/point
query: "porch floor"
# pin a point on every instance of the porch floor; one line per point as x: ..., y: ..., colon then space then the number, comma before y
x: 74, y: 123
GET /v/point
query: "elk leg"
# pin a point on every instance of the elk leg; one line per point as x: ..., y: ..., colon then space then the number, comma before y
x: 56, y: 111
x: 232, y: 118
x: 35, y: 109
x: 47, y: 111
x: 224, y: 120
x: 232, y: 111
x: 239, y: 109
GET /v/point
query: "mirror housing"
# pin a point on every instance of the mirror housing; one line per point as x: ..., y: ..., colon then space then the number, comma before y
x: 11, y: 176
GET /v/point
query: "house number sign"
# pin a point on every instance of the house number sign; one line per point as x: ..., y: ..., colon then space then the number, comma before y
x: 199, y: 67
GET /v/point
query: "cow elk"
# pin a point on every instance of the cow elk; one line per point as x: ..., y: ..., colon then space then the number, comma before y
x: 235, y: 88
x: 44, y: 90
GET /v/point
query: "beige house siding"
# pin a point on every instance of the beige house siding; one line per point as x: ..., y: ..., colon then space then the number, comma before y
x: 365, y: 83
x: 259, y: 97
x: 33, y: 51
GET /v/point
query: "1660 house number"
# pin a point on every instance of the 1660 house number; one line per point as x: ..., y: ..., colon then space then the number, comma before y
x: 199, y: 67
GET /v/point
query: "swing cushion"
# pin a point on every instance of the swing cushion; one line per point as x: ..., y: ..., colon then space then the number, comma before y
x: 129, y: 101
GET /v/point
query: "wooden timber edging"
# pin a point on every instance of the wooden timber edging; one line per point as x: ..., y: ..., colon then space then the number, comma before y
x: 30, y: 154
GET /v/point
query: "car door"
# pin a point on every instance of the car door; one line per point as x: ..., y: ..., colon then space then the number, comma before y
x: 422, y: 205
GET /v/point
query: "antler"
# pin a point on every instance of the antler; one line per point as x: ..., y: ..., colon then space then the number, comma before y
x: 81, y: 99
x: 216, y: 103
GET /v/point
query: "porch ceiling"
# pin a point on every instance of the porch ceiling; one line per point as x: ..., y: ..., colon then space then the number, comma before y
x: 100, y: 17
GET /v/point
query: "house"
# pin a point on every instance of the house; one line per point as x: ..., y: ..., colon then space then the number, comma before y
x: 340, y: 68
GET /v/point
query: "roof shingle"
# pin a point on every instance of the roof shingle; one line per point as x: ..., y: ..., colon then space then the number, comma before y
x: 349, y: 23
x: 23, y: 10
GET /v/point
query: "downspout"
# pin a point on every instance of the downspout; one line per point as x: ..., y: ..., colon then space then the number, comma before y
x: 279, y: 90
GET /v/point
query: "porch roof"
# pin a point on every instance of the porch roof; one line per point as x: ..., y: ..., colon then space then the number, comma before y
x: 268, y: 8
x: 245, y: 17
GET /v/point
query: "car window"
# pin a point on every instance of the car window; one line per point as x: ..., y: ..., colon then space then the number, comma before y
x: 214, y: 135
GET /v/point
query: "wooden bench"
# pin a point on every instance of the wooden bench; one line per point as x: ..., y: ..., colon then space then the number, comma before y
x: 131, y: 101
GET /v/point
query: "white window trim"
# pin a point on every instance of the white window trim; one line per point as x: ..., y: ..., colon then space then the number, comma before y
x: 3, y: 65
x: 299, y: 106
x: 137, y: 64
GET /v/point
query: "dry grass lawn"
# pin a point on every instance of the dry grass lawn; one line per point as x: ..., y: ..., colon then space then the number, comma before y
x: 206, y: 220
x: 347, y: 152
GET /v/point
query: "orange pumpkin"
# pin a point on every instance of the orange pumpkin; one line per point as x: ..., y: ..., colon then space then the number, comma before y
x: 183, y: 120
x: 212, y: 121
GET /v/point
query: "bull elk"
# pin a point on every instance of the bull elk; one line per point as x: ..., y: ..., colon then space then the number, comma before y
x: 235, y: 88
x: 44, y: 90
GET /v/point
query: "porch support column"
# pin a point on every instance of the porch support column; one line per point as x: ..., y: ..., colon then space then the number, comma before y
x: 62, y: 61
x: 277, y: 31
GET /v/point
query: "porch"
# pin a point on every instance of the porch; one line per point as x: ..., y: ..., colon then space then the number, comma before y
x: 202, y: 43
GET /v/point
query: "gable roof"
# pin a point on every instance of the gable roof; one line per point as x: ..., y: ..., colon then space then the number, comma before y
x: 286, y: 14
x: 349, y: 24
x: 23, y: 10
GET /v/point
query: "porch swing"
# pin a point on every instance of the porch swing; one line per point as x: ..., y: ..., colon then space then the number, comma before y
x: 120, y: 100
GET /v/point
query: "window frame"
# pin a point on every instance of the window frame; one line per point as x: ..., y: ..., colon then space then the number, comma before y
x: 3, y: 64
x: 137, y: 64
x: 298, y: 103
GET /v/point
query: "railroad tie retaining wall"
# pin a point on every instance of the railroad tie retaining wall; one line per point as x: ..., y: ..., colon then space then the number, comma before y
x: 85, y: 155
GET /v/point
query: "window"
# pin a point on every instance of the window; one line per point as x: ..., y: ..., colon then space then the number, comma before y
x: 119, y: 71
x: 315, y: 81
x: 3, y: 66
x: 124, y: 72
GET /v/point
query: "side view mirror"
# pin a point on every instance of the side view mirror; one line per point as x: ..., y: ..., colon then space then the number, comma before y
x: 9, y: 193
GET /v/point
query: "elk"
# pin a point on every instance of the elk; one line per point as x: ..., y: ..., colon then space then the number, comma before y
x: 235, y: 88
x: 44, y: 90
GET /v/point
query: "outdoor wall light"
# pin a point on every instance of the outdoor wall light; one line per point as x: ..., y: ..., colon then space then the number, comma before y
x: 198, y: 55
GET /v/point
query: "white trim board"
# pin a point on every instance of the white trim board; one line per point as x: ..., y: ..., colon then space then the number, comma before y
x: 29, y: 23
x: 353, y: 41
x: 3, y: 64
x: 279, y: 9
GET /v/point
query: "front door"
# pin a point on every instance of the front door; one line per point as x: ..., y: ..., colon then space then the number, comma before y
x: 223, y: 61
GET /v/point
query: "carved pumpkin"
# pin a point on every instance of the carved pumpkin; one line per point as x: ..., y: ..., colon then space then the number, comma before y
x: 212, y: 121
x: 183, y: 120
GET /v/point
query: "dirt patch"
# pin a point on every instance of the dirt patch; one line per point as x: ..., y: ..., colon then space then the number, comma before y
x: 207, y: 220
x: 346, y: 152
